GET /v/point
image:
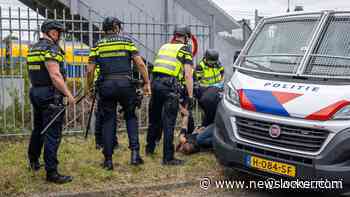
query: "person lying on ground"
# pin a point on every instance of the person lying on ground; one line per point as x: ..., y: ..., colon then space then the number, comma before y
x: 199, y: 140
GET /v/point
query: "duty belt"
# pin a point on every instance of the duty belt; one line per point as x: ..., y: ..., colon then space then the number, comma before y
x: 38, y: 85
x: 116, y: 76
x: 163, y: 77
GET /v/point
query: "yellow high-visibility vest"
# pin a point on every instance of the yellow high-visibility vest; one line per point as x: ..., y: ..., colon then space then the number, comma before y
x: 209, y: 75
x: 166, y: 61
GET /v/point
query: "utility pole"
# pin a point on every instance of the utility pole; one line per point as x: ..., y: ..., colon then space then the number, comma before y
x: 166, y: 19
x: 288, y: 9
x: 256, y: 17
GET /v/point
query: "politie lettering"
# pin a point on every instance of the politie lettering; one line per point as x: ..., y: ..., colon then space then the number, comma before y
x: 292, y: 86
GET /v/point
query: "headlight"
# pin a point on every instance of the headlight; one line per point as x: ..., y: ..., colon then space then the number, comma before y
x: 231, y: 95
x: 342, y: 114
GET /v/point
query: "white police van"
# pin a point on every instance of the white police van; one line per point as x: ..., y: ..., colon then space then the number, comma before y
x: 286, y: 109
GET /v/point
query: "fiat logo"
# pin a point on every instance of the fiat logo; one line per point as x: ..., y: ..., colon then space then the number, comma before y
x: 275, y: 131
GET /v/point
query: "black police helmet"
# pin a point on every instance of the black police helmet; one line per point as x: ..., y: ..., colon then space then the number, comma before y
x: 181, y: 31
x: 211, y: 55
x: 110, y: 22
x: 52, y: 25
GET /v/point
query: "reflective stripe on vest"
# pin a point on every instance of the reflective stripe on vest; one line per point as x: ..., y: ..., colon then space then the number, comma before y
x: 166, y: 61
x: 97, y: 73
x: 210, y: 75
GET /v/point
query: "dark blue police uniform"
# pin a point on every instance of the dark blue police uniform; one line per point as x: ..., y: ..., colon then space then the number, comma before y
x: 46, y: 101
x: 113, y: 54
x: 164, y: 105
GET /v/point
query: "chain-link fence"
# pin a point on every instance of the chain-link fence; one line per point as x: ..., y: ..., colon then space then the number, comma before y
x: 20, y: 28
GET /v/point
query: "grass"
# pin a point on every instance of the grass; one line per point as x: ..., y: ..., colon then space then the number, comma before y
x: 79, y: 158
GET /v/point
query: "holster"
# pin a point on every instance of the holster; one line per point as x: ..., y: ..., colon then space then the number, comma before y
x: 139, y: 97
x: 57, y: 104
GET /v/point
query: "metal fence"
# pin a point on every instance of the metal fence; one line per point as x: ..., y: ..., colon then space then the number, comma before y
x: 19, y: 29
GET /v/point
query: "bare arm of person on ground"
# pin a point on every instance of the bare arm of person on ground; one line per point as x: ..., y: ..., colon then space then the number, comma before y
x: 189, y: 79
x: 144, y: 72
x: 57, y: 79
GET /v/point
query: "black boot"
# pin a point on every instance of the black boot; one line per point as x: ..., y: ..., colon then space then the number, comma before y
x: 108, y: 164
x: 135, y: 158
x: 173, y: 162
x: 34, y: 165
x: 55, y: 177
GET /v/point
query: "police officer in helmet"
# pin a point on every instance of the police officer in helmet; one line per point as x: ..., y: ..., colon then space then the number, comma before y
x: 114, y: 54
x: 187, y: 121
x: 47, y: 76
x: 172, y: 61
x: 209, y: 76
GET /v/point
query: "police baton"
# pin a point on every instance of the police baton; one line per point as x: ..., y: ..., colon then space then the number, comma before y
x: 90, y: 115
x: 61, y: 111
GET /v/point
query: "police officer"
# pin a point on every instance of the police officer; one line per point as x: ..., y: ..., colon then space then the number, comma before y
x: 171, y: 61
x: 46, y: 73
x: 114, y: 53
x: 210, y: 76
x: 187, y: 121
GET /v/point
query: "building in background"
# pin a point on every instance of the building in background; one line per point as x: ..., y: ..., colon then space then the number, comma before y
x: 149, y: 24
x: 207, y: 20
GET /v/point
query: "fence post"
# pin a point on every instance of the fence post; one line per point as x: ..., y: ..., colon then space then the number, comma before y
x: 166, y: 19
x: 212, y: 31
x: 90, y: 29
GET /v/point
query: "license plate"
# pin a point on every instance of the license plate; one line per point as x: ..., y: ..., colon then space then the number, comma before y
x: 270, y: 166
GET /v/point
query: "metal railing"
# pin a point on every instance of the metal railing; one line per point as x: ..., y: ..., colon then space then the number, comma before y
x: 19, y: 29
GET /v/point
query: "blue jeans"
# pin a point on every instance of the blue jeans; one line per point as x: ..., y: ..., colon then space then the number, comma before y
x: 205, y: 138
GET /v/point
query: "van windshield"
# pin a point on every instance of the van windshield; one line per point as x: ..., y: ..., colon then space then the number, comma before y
x: 331, y: 57
x: 280, y: 45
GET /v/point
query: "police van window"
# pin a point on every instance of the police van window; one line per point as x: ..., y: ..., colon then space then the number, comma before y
x: 280, y: 45
x: 332, y: 56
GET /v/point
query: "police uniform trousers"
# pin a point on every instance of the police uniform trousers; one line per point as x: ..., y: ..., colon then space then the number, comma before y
x: 45, y: 108
x: 163, y: 111
x: 112, y: 92
x: 98, y: 124
x: 208, y: 100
